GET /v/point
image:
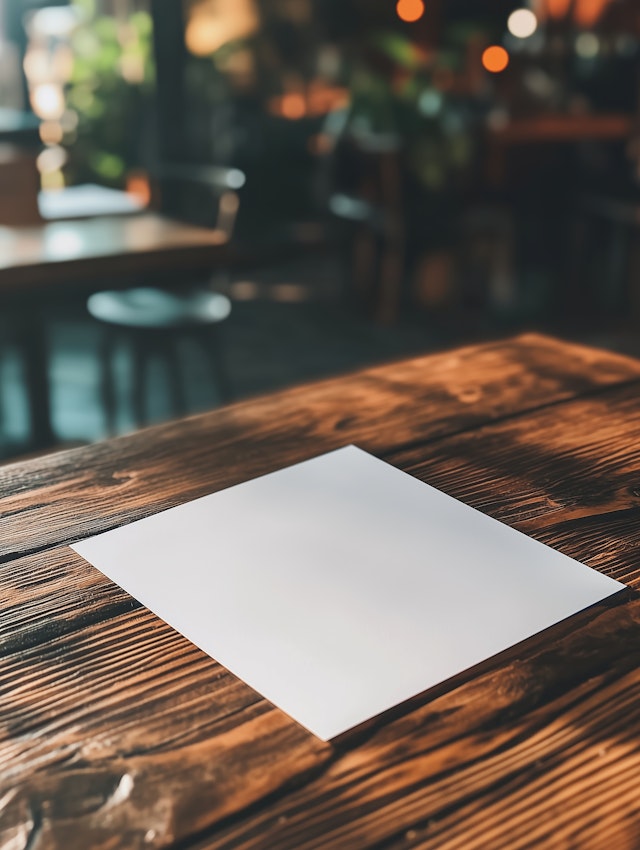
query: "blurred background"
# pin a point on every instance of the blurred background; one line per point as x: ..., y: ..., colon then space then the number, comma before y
x: 208, y: 199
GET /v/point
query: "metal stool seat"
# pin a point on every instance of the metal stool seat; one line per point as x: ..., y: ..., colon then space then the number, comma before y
x: 152, y: 321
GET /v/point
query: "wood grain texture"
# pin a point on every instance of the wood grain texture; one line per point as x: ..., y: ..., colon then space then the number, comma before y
x: 512, y: 758
x: 116, y: 732
x: 131, y: 698
x: 66, y: 496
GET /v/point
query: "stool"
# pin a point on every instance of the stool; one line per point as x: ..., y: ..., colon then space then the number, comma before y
x: 152, y: 322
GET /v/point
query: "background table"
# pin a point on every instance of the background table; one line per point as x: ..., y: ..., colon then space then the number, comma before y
x: 43, y: 264
x: 551, y: 130
x: 70, y: 255
x: 116, y: 732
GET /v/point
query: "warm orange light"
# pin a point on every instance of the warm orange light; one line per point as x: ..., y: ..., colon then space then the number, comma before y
x: 213, y: 23
x: 588, y: 12
x: 495, y: 59
x: 322, y: 98
x: 410, y: 10
x: 585, y: 13
x: 138, y: 185
x: 51, y: 132
x: 293, y: 106
x: 558, y: 8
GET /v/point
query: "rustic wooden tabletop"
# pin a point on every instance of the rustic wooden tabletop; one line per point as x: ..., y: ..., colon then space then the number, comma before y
x: 116, y: 732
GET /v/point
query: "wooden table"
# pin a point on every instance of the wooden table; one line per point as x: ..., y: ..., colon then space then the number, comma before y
x: 72, y: 254
x: 41, y: 264
x: 552, y: 129
x: 117, y: 732
x: 561, y: 127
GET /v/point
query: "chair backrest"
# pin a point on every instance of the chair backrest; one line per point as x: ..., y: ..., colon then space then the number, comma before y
x: 200, y: 194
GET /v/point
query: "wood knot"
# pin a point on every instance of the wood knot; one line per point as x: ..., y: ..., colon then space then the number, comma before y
x: 469, y: 395
x: 344, y: 423
x: 123, y: 476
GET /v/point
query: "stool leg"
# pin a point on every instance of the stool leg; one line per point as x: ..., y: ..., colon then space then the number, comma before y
x: 176, y: 386
x: 212, y: 344
x: 138, y: 368
x: 107, y: 385
x: 33, y: 344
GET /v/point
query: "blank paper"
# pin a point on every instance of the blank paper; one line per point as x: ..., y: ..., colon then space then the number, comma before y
x: 341, y: 586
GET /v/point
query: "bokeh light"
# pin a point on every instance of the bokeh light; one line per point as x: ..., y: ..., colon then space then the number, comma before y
x: 410, y: 10
x: 558, y: 8
x: 139, y: 187
x: 51, y: 159
x: 37, y: 65
x: 235, y: 179
x: 52, y: 22
x: 51, y: 132
x: 293, y: 106
x: 522, y: 23
x: 203, y: 35
x: 495, y: 59
x: 587, y: 45
x: 430, y: 102
x: 588, y: 12
x: 213, y: 23
x: 47, y: 101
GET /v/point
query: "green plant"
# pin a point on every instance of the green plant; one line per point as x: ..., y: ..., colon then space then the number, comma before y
x: 398, y: 91
x: 110, y: 92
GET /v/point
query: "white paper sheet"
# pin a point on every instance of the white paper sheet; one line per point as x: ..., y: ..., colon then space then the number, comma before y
x: 341, y: 586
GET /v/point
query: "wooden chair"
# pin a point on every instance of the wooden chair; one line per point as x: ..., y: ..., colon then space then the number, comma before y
x: 371, y: 210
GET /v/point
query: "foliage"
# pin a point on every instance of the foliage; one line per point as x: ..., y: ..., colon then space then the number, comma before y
x: 400, y: 90
x: 109, y: 90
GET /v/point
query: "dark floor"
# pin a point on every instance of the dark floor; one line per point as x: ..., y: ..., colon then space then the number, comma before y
x: 288, y: 325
